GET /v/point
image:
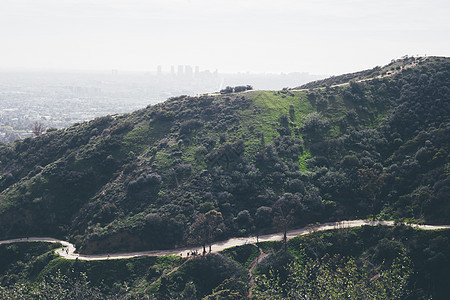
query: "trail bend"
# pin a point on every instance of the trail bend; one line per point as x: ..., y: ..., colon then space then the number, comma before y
x: 68, y: 249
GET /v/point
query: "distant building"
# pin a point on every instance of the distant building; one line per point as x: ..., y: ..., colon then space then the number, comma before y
x: 180, y: 71
x: 188, y: 71
x: 159, y: 70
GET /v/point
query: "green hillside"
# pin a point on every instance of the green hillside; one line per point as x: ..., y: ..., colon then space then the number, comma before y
x: 193, y: 169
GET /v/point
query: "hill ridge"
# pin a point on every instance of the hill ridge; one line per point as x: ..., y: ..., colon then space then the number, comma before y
x: 393, y: 68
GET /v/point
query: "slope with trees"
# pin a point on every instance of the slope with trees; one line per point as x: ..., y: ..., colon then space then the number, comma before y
x: 253, y: 162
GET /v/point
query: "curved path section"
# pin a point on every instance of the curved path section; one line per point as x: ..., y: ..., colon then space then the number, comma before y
x: 68, y: 249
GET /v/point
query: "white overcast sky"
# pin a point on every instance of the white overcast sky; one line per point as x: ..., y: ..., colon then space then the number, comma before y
x: 315, y: 36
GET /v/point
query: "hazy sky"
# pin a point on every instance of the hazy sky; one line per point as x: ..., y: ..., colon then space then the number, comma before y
x: 316, y: 36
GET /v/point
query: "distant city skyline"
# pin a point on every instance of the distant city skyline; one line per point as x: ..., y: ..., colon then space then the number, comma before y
x: 60, y: 99
x: 257, y: 36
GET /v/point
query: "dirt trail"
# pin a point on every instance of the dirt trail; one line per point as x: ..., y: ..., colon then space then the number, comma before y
x: 68, y: 250
x: 165, y: 274
x: 252, y: 267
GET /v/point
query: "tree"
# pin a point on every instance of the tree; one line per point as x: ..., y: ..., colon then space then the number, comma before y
x: 189, y: 292
x: 242, y: 88
x: 205, y: 228
x: 291, y: 113
x: 37, y: 129
x: 263, y: 219
x: 227, y: 90
x: 243, y: 219
x: 229, y: 289
x: 370, y: 185
x: 284, y: 211
x: 213, y: 220
x: 198, y: 231
x: 314, y: 127
x: 284, y: 128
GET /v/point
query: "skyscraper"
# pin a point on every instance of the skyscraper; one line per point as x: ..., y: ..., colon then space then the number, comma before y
x: 180, y: 71
x: 197, y: 71
x: 188, y: 71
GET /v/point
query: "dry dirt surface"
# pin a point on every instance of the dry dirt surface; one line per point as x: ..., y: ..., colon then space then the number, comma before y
x: 68, y: 250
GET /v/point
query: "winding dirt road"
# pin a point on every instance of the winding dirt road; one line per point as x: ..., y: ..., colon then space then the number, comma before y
x: 68, y: 249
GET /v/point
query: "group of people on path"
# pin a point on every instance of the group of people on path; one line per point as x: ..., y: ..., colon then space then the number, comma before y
x: 191, y: 253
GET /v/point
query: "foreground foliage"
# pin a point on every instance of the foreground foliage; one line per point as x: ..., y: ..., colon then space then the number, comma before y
x: 360, y: 263
x: 56, y: 286
x: 336, y: 277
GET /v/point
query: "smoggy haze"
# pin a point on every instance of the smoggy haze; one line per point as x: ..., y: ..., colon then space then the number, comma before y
x: 321, y: 37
